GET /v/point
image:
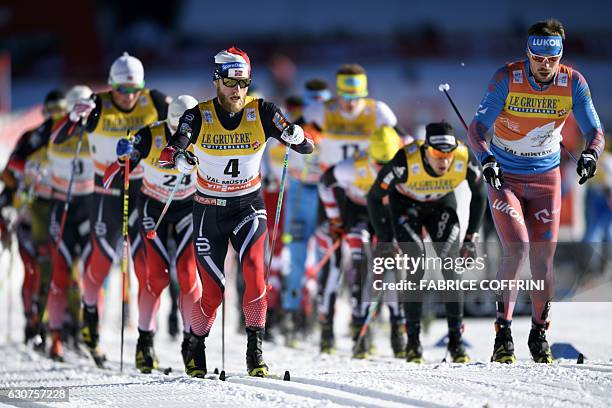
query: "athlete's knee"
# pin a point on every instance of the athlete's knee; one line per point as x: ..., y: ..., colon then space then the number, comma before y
x: 186, y: 272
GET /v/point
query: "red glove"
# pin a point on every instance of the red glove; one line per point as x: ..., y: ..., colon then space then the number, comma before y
x: 112, y: 171
x: 166, y: 158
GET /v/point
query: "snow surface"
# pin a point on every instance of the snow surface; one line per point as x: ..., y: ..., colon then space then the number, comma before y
x: 319, y: 380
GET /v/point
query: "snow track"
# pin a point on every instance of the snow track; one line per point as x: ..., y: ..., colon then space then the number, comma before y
x: 322, y: 380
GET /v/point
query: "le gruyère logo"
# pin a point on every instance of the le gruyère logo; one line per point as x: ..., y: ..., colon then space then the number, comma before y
x: 232, y: 141
x: 122, y: 124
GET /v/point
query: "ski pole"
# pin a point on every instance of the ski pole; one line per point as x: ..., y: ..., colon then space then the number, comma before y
x: 372, y: 309
x: 279, y: 205
x: 223, y: 333
x: 9, y: 288
x: 151, y: 234
x: 126, y: 249
x: 330, y: 251
x: 446, y: 87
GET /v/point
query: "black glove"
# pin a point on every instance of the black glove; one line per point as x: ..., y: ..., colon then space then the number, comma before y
x: 492, y: 173
x: 468, y: 249
x: 587, y: 165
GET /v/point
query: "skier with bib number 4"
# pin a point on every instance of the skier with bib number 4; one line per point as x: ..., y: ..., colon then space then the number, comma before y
x: 228, y: 134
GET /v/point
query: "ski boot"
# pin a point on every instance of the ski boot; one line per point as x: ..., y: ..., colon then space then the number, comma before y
x: 398, y: 339
x: 30, y: 328
x: 256, y: 366
x: 195, y: 357
x: 538, y: 346
x: 56, y: 353
x: 362, y: 342
x: 503, y: 350
x: 146, y: 360
x: 414, y: 350
x: 185, y: 347
x: 90, y: 335
x: 328, y: 342
x: 455, y: 346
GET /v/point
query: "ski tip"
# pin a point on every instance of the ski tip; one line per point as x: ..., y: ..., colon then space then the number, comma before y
x: 167, y: 370
x: 443, y: 360
x: 222, y: 375
x: 216, y: 371
x: 287, y: 376
x: 580, y: 359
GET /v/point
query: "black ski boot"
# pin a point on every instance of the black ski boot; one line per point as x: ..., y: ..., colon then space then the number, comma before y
x: 185, y: 347
x: 146, y: 360
x: 328, y: 342
x: 503, y: 350
x: 538, y: 345
x: 456, y: 347
x: 398, y: 339
x: 414, y: 350
x: 90, y: 335
x: 195, y: 357
x: 256, y: 366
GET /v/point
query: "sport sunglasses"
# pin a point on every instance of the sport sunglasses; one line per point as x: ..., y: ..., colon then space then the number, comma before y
x: 538, y: 58
x: 438, y: 154
x: 231, y: 82
x: 124, y: 89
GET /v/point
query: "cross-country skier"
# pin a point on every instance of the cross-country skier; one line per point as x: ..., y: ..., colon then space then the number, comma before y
x: 29, y: 164
x: 127, y: 107
x: 229, y: 134
x: 355, y: 176
x: 420, y: 181
x: 527, y: 103
x: 157, y: 184
x: 346, y: 124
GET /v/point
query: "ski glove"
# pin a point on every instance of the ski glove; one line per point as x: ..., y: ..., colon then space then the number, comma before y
x: 587, y: 165
x: 185, y: 161
x: 492, y: 173
x: 82, y: 109
x: 468, y: 249
x: 293, y: 135
x: 124, y: 147
x: 174, y: 157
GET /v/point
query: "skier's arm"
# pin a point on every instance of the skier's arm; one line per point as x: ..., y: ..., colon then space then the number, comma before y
x: 490, y: 107
x: 71, y: 128
x: 585, y: 114
x: 391, y: 173
x: 275, y: 125
x: 187, y: 132
x: 161, y: 103
x: 479, y: 196
x: 384, y: 115
x: 338, y: 176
